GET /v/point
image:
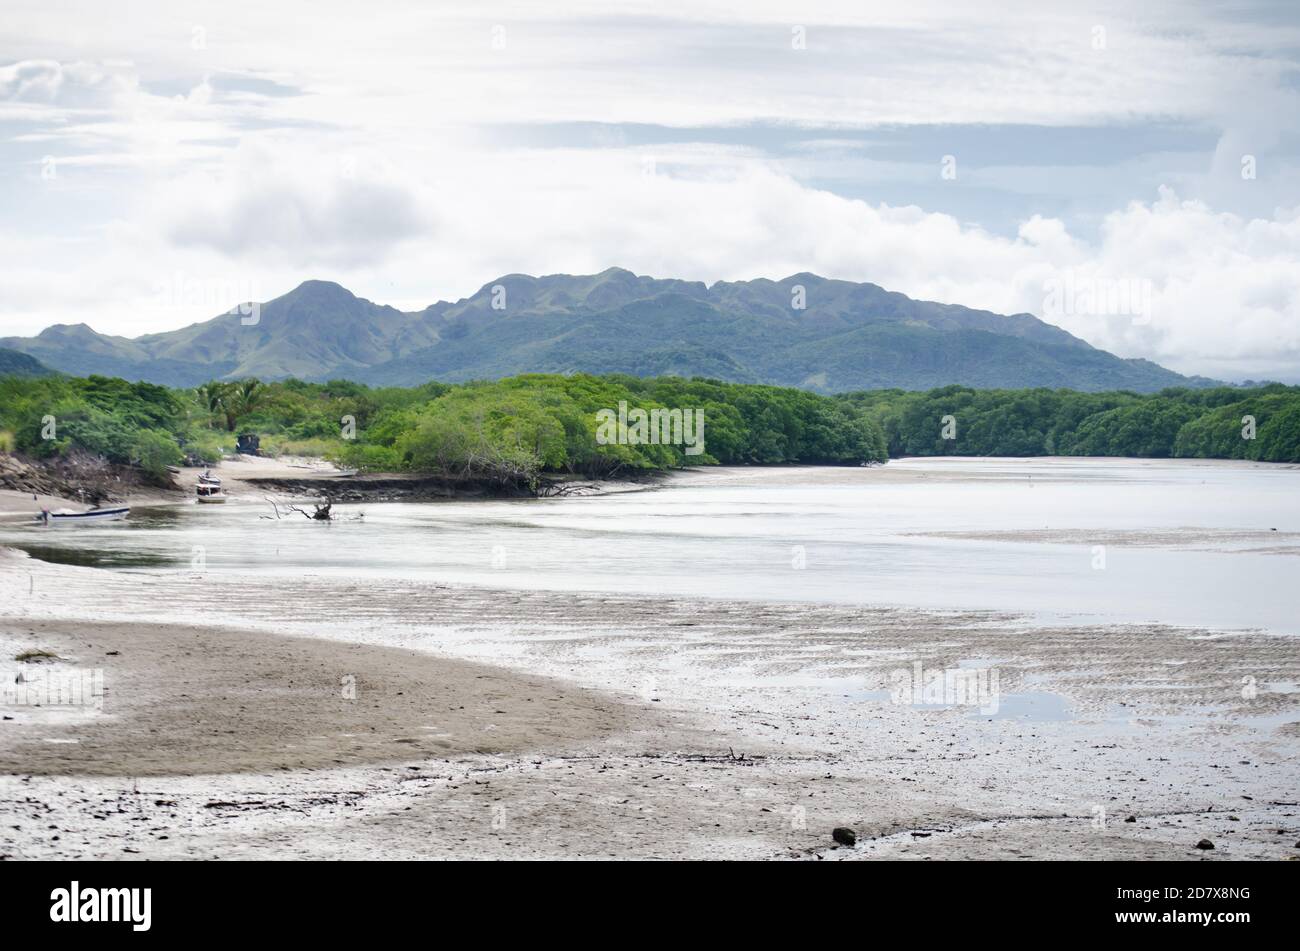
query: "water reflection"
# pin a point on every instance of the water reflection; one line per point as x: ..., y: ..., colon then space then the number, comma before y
x: 96, y: 557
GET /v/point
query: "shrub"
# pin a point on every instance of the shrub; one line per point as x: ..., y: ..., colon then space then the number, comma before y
x: 153, y: 452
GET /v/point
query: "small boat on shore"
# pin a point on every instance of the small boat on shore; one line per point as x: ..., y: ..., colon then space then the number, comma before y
x: 207, y: 478
x: 69, y: 517
x: 208, y: 494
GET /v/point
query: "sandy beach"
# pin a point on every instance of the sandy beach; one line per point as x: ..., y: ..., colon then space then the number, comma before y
x: 502, y: 723
x: 235, y: 474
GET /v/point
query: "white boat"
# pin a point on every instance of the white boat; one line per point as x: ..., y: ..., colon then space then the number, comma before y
x: 69, y: 517
x: 206, y: 478
x: 208, y: 494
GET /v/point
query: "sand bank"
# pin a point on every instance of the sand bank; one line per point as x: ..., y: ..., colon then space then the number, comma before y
x: 255, y: 478
x: 185, y: 699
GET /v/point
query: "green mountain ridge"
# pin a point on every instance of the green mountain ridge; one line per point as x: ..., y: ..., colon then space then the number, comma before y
x: 848, y: 336
x: 16, y: 363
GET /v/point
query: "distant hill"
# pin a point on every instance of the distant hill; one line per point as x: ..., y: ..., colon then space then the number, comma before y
x: 16, y: 363
x: 847, y: 337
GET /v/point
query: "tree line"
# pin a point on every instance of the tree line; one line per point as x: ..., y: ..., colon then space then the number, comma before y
x: 511, y: 430
x: 1258, y: 423
x: 518, y: 428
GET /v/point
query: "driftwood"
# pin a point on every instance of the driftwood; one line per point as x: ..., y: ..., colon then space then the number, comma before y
x: 322, y: 511
x: 549, y: 489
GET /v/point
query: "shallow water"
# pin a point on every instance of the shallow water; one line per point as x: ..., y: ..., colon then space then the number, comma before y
x: 817, y: 535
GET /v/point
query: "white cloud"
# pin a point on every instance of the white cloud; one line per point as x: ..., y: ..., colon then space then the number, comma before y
x: 343, y: 211
x: 71, y: 85
x: 363, y: 165
x: 1219, y: 293
x: 1211, y: 292
x: 704, y: 63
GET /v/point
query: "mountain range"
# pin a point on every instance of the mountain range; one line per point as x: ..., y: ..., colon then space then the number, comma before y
x: 847, y: 336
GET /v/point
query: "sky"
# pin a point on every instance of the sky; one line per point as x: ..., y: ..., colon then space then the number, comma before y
x: 1129, y: 172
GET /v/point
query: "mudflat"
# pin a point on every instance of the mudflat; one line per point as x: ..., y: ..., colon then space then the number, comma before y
x: 499, y: 723
x: 187, y: 699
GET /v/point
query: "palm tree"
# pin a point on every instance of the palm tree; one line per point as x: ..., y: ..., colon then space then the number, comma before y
x: 212, y: 397
x: 245, y: 396
x: 230, y: 400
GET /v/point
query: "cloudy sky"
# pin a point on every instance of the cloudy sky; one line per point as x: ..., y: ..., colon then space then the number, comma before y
x: 1129, y: 172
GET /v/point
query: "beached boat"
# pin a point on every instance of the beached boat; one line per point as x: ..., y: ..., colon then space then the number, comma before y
x: 69, y: 517
x: 208, y: 494
x: 206, y: 478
